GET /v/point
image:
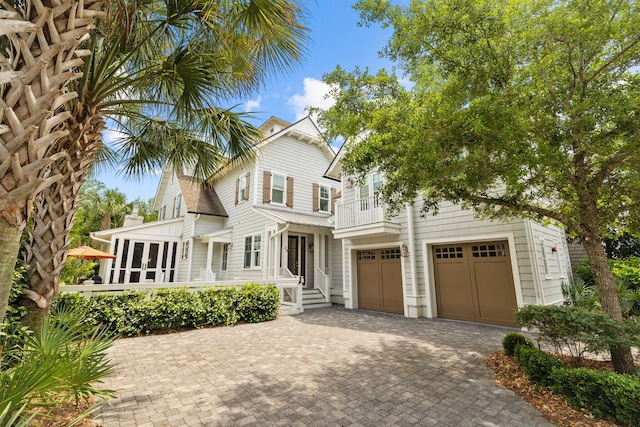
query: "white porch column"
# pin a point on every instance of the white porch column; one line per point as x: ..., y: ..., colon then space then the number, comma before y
x: 317, y: 247
x: 209, y: 259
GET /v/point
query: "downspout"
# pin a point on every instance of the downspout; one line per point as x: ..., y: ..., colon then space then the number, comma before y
x: 533, y: 259
x: 412, y: 256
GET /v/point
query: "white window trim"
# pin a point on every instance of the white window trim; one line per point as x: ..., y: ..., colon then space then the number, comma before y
x: 177, y: 202
x: 562, y: 267
x: 284, y: 188
x: 328, y: 199
x: 253, y: 250
x: 369, y: 184
x: 545, y: 260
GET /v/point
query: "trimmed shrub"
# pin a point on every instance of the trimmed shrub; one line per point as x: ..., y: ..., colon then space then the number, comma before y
x: 513, y: 340
x: 219, y: 306
x: 258, y: 303
x: 537, y: 364
x: 135, y: 313
x: 578, y: 330
x: 606, y: 394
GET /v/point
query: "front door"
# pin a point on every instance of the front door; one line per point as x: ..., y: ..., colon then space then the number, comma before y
x: 296, y: 256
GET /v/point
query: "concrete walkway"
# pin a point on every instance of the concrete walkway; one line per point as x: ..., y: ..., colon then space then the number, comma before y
x: 326, y: 367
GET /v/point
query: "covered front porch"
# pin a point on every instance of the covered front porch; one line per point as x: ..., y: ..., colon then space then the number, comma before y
x: 299, y: 246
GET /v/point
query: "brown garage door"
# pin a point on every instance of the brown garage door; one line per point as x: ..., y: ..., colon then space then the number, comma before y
x: 380, y: 280
x: 474, y: 282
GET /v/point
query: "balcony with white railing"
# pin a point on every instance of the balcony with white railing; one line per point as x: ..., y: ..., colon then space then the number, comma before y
x: 367, y: 216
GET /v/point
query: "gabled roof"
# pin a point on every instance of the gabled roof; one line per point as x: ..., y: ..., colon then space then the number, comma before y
x: 200, y: 200
x: 304, y: 130
x: 334, y: 171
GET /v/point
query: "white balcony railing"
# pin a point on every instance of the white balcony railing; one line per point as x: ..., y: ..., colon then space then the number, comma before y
x: 361, y: 212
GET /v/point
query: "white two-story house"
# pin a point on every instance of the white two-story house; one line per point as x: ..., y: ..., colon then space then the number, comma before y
x: 266, y: 220
x: 452, y: 265
x: 293, y: 214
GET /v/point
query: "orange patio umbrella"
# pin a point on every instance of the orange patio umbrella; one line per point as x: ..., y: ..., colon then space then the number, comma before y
x: 88, y: 252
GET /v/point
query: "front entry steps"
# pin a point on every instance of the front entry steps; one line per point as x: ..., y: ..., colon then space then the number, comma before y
x: 313, y: 298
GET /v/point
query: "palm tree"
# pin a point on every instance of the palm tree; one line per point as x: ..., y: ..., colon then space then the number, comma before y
x: 158, y: 75
x: 41, y: 51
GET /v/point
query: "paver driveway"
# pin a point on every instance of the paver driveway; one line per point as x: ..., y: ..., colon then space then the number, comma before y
x: 324, y: 367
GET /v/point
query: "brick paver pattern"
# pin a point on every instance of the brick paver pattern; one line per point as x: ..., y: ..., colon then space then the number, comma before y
x: 325, y: 367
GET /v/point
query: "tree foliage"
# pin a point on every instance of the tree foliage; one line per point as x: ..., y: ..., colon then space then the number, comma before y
x: 514, y: 108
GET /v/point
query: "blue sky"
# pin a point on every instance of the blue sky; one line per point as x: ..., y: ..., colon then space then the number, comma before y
x: 336, y: 39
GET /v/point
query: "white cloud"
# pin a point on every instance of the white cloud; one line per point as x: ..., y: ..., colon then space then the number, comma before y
x: 313, y: 96
x: 110, y: 136
x: 252, y: 105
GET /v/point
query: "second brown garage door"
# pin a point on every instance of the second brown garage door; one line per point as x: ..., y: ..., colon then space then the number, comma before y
x: 380, y: 280
x: 474, y: 282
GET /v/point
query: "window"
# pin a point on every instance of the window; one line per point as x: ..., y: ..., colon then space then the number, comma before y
x: 277, y: 188
x: 185, y: 249
x: 377, y: 180
x: 163, y: 212
x: 561, y: 265
x: 252, y: 246
x: 243, y: 188
x: 225, y: 257
x: 544, y: 259
x: 176, y: 205
x: 324, y: 198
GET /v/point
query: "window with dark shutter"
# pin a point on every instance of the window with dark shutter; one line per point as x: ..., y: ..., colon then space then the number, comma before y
x: 266, y: 187
x: 315, y: 197
x: 237, y: 189
x: 334, y: 196
x: 247, y: 185
x: 289, y: 192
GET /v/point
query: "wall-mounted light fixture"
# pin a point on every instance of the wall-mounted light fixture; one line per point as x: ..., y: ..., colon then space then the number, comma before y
x: 349, y: 183
x: 404, y: 250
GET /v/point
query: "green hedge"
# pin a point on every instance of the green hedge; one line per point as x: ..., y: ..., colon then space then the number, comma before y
x: 136, y: 313
x: 537, y: 364
x: 512, y: 340
x: 605, y: 394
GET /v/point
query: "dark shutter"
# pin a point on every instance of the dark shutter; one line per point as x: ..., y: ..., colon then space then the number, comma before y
x: 289, y: 191
x: 334, y: 196
x: 246, y: 190
x: 237, y: 189
x: 266, y: 187
x: 315, y: 197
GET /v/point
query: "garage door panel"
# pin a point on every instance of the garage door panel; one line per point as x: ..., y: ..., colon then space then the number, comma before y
x: 380, y: 280
x: 453, y: 291
x: 368, y: 282
x: 495, y: 300
x: 474, y: 282
x: 392, y: 286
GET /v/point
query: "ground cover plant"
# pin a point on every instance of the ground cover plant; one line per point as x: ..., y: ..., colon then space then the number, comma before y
x: 61, y: 362
x: 137, y: 313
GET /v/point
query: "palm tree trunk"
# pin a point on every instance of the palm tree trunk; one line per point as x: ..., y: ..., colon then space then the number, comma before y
x: 39, y: 64
x: 44, y: 253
